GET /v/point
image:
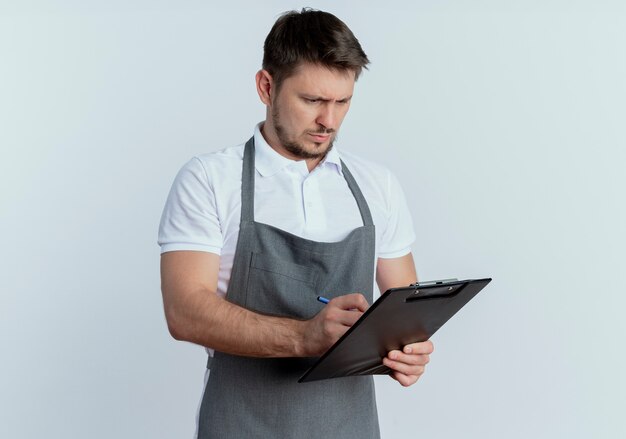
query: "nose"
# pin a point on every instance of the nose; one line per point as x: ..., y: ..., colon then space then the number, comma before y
x: 327, y: 117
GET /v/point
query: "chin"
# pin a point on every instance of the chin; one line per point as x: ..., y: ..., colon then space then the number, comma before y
x: 307, y: 149
x: 320, y: 148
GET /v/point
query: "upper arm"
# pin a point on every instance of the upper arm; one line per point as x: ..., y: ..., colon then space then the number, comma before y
x: 188, y: 270
x: 395, y: 272
x: 187, y: 280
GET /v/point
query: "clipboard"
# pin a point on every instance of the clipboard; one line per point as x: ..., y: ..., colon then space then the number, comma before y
x: 399, y: 317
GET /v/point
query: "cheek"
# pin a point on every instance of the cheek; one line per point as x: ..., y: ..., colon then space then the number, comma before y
x: 302, y: 117
x: 293, y: 114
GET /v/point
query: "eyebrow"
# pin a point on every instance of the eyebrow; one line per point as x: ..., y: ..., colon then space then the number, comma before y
x: 320, y: 98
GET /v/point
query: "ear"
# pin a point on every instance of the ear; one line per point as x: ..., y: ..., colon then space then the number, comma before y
x: 264, y: 86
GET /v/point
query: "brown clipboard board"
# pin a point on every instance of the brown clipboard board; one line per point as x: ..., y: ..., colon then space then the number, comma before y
x: 399, y: 317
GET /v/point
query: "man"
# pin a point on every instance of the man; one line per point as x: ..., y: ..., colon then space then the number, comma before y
x: 251, y: 235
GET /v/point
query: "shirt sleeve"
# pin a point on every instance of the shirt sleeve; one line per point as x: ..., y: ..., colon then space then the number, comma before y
x: 399, y: 234
x: 189, y: 220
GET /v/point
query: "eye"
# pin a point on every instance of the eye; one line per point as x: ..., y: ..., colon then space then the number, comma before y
x: 311, y: 101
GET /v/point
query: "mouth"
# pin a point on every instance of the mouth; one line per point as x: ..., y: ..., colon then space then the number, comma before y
x: 319, y: 138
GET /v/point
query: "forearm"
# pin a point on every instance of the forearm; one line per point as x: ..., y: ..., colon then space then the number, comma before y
x: 204, y: 318
x: 196, y: 313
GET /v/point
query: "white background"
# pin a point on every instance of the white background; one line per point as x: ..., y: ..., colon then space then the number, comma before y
x: 504, y: 121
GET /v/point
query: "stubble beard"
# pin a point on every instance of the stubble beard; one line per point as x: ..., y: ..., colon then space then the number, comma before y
x: 296, y: 148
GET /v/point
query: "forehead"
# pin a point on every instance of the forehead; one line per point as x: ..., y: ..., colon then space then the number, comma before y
x: 317, y: 80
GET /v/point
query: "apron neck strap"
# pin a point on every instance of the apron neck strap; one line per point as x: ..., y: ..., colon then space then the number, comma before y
x: 247, y: 183
x: 358, y: 196
x: 247, y: 187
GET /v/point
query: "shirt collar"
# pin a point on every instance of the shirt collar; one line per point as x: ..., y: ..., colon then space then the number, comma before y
x: 333, y: 158
x: 268, y: 162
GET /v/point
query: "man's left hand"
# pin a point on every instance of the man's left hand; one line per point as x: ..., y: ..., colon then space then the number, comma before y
x: 408, y: 365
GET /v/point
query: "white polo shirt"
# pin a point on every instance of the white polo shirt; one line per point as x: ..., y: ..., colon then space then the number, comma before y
x: 203, y: 208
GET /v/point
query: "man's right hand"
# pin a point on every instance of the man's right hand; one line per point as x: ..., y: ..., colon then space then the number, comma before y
x: 323, y: 330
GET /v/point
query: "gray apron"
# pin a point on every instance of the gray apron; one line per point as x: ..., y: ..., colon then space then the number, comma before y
x: 277, y: 273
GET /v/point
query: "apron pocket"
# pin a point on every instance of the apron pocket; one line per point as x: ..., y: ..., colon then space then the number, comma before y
x: 282, y: 288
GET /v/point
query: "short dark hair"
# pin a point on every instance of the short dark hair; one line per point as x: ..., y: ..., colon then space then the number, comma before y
x: 311, y: 36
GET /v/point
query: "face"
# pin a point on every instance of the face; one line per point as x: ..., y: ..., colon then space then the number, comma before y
x: 306, y: 113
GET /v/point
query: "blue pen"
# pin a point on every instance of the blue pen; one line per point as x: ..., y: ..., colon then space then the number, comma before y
x: 322, y: 299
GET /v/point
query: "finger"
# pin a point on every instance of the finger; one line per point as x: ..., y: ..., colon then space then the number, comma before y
x: 355, y: 301
x: 404, y: 380
x: 414, y: 359
x: 425, y: 347
x: 341, y: 316
x: 347, y: 318
x: 406, y: 369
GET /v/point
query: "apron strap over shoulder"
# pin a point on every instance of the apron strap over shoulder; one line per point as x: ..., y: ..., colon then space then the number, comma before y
x: 358, y: 196
x: 247, y: 183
